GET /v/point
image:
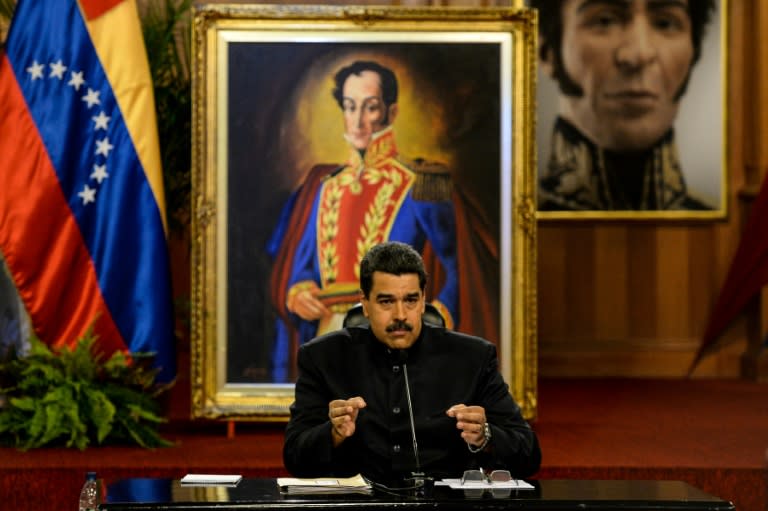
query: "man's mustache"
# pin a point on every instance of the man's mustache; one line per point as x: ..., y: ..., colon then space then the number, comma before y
x: 399, y: 324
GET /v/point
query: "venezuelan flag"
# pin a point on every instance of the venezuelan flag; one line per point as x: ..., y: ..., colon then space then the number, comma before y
x: 82, y: 210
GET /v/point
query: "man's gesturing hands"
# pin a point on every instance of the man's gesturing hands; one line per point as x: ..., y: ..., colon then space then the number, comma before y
x: 343, y: 414
x: 470, y: 420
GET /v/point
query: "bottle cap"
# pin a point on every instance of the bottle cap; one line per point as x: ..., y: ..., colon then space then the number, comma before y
x: 91, y: 476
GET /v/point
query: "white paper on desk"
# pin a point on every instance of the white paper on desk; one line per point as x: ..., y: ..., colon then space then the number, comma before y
x: 514, y: 484
x: 211, y: 479
x: 323, y: 484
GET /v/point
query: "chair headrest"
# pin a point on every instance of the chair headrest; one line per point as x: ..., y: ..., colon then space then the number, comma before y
x: 355, y: 316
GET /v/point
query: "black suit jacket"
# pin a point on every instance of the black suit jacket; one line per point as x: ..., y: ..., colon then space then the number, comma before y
x: 444, y: 368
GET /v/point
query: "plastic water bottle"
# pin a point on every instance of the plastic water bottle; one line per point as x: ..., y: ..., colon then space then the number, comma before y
x: 89, y: 495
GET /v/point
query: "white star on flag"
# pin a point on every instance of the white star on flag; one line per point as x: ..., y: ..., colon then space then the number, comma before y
x: 76, y: 79
x: 88, y: 194
x: 103, y: 147
x: 92, y: 98
x: 35, y: 70
x: 99, y: 173
x: 101, y: 120
x: 57, y: 70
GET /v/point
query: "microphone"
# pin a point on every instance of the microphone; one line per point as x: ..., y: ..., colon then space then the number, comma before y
x: 418, y: 478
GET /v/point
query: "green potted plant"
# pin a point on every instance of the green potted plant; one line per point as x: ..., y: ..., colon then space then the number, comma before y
x: 75, y: 397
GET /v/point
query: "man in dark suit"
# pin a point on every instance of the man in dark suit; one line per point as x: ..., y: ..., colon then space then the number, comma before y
x: 356, y: 386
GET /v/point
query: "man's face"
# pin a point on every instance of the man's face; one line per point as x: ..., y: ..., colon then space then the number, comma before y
x: 630, y: 58
x: 394, y: 308
x: 364, y: 110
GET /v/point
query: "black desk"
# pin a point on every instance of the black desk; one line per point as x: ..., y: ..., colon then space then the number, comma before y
x: 560, y: 495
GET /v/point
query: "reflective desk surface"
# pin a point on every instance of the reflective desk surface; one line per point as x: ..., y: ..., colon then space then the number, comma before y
x: 563, y: 495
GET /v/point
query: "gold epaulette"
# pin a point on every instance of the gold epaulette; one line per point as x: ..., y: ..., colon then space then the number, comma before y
x: 433, y: 180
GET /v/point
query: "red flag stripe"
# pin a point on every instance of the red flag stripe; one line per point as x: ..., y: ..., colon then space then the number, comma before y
x: 95, y: 8
x: 58, y: 238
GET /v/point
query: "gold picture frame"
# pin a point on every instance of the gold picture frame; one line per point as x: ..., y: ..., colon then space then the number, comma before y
x: 690, y: 160
x: 262, y: 112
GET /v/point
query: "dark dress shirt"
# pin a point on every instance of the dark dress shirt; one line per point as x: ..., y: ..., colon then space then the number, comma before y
x: 444, y: 368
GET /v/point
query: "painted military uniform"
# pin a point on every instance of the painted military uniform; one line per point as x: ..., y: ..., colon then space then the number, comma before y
x: 376, y: 196
x: 581, y: 176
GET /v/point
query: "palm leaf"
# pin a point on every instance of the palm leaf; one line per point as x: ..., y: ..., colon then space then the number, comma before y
x: 6, y: 9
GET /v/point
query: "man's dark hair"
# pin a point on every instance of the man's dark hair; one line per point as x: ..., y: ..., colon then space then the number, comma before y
x: 551, y: 38
x: 391, y: 257
x: 387, y: 76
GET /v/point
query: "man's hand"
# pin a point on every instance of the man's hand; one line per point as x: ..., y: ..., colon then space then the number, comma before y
x: 305, y: 304
x: 343, y: 414
x: 470, y: 420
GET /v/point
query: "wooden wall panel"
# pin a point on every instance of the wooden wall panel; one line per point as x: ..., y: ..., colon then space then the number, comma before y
x: 671, y: 311
x: 611, y: 283
x: 641, y: 262
x: 619, y: 300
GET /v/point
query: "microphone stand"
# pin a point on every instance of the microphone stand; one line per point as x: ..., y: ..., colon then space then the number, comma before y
x: 418, y: 480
